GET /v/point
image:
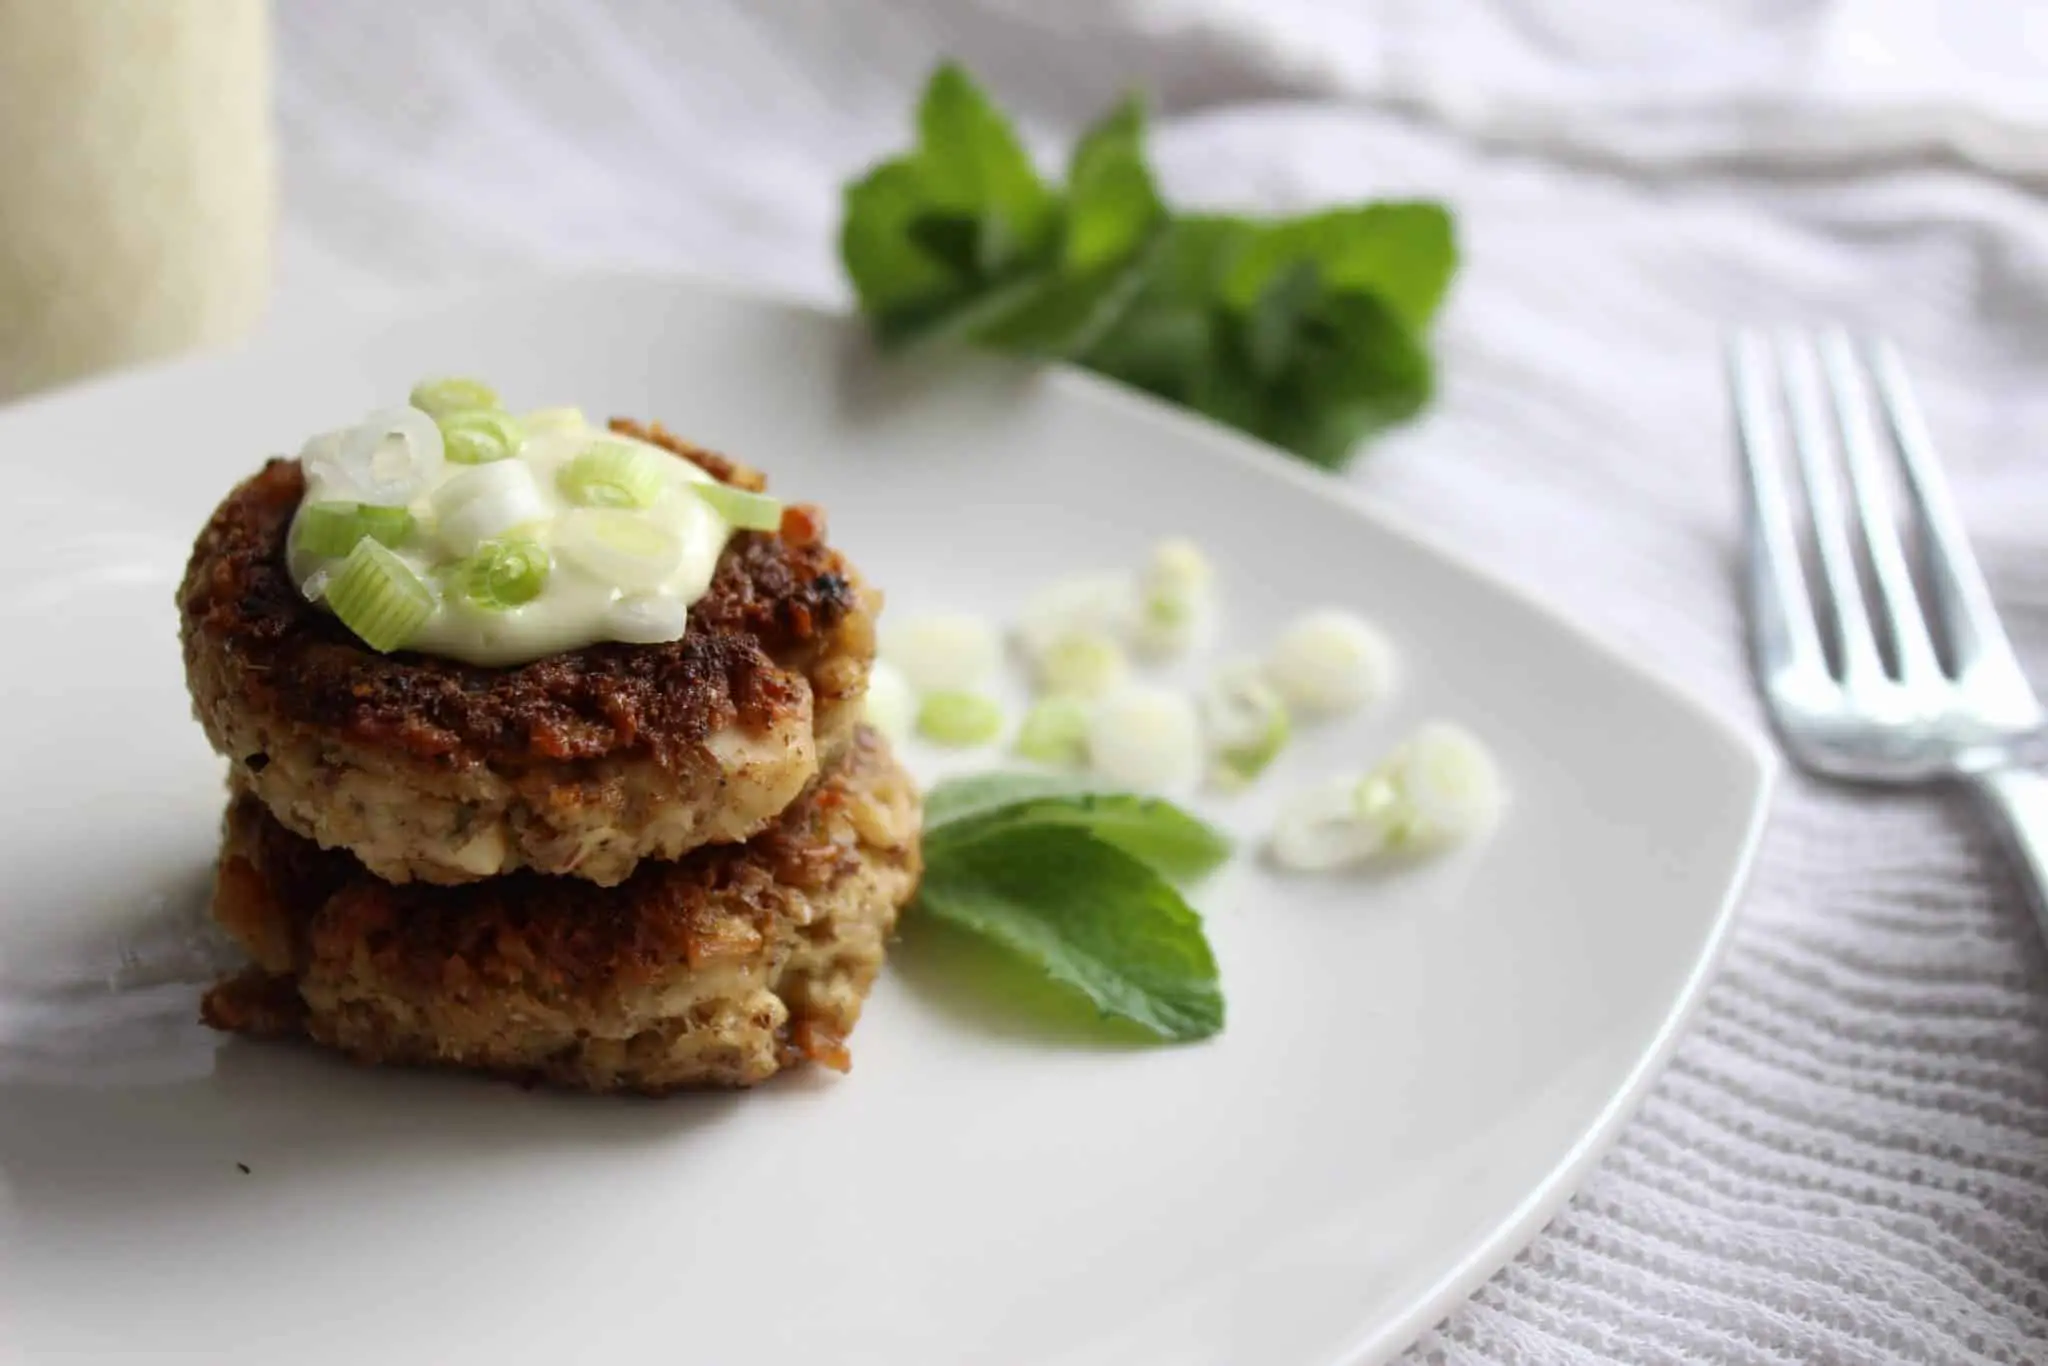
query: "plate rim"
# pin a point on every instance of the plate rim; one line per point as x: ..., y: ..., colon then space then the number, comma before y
x: 1758, y: 760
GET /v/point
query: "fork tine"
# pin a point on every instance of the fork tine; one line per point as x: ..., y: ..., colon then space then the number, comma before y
x: 1983, y: 655
x: 1918, y: 664
x: 1812, y: 442
x: 1780, y: 610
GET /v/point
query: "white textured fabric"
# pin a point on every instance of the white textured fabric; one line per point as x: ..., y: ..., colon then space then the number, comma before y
x: 1848, y: 1159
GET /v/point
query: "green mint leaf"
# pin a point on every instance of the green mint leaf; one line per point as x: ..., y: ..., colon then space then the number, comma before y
x: 1306, y: 365
x: 1060, y: 317
x: 1308, y: 332
x: 1112, y: 225
x: 1154, y: 831
x: 981, y: 794
x: 1091, y: 916
x: 1354, y: 369
x: 1405, y: 253
x: 973, y: 163
x: 1278, y: 318
x: 894, y: 275
x: 961, y: 317
x: 952, y: 239
x: 941, y: 241
x: 1113, y: 208
x: 1165, y: 343
x: 1150, y: 829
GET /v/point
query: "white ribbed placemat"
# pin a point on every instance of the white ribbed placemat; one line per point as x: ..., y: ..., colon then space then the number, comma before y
x: 1848, y: 1159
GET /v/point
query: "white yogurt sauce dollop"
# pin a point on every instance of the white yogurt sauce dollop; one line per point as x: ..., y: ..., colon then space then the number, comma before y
x: 590, y: 593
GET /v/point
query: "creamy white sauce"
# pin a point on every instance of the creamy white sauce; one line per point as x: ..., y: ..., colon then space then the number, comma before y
x: 577, y: 606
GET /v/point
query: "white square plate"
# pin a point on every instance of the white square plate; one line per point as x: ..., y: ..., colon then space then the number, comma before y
x: 1418, y: 1066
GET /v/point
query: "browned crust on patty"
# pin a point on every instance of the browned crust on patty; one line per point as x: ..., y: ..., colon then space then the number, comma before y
x: 764, y: 950
x: 581, y: 763
x: 772, y: 607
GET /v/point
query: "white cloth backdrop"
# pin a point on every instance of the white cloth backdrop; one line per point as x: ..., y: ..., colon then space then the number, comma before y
x: 1848, y: 1159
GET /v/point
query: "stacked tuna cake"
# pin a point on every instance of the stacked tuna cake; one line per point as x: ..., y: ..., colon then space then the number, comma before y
x: 626, y: 867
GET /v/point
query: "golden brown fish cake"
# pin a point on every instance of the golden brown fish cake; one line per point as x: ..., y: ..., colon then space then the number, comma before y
x: 581, y: 763
x: 716, y: 970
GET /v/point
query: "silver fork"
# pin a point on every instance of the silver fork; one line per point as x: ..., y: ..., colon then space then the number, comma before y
x: 1915, y: 719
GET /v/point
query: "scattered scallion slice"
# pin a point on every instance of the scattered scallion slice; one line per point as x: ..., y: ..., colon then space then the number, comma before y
x: 501, y: 575
x: 1329, y: 662
x: 1089, y: 663
x: 612, y: 474
x: 943, y: 651
x: 1437, y: 787
x: 747, y: 511
x: 1246, y: 721
x: 619, y: 547
x: 547, y: 420
x: 1146, y: 738
x: 1055, y: 732
x: 1078, y: 604
x: 440, y: 397
x: 1179, y: 569
x: 1338, y: 822
x: 1447, y: 786
x: 1175, y: 600
x: 959, y: 718
x: 328, y: 531
x: 890, y: 705
x: 378, y: 596
x: 480, y: 436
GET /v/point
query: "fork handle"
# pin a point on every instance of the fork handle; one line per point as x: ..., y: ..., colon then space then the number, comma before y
x: 2019, y: 798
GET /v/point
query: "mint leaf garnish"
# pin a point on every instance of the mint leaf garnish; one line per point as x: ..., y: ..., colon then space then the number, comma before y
x: 1089, y: 914
x: 1078, y: 881
x: 979, y: 794
x: 1152, y: 830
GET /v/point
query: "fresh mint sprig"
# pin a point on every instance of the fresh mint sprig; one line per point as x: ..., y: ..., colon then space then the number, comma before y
x: 1077, y: 882
x: 1307, y: 332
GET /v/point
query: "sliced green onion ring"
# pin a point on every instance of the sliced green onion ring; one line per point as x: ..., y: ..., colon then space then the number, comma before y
x: 1437, y: 788
x: 890, y: 704
x: 1246, y: 721
x: 943, y: 651
x: 1330, y: 661
x: 1177, y: 600
x: 378, y: 596
x: 747, y: 511
x: 1447, y: 783
x: 620, y: 548
x: 485, y: 502
x: 386, y: 459
x: 1104, y: 604
x: 455, y: 394
x: 328, y: 531
x: 1178, y: 569
x: 612, y: 474
x: 1086, y: 662
x: 1340, y: 821
x: 959, y: 718
x: 501, y: 574
x: 546, y: 420
x: 1146, y: 737
x: 480, y: 436
x: 1055, y: 732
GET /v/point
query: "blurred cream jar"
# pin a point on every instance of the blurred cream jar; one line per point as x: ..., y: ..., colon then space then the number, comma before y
x: 136, y: 181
